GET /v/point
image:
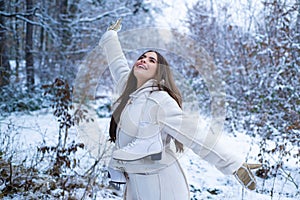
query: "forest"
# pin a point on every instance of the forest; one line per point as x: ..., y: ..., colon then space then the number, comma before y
x: 249, y: 53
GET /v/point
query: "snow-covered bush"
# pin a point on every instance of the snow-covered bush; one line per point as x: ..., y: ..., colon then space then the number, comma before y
x: 52, y: 169
x: 260, y: 65
x: 14, y: 98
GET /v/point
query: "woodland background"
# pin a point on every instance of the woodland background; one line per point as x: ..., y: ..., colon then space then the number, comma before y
x: 254, y: 44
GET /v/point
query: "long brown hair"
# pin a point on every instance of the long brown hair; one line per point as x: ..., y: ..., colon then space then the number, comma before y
x: 165, y: 82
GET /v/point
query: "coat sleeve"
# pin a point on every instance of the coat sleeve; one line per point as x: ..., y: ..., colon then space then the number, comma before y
x: 190, y: 130
x: 117, y: 62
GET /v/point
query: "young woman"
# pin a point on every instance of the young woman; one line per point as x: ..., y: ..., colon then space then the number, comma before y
x: 146, y: 119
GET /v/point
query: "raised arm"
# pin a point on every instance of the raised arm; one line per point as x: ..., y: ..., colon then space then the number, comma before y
x: 117, y: 62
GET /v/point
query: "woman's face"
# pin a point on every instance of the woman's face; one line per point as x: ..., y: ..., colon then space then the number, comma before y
x: 145, y: 67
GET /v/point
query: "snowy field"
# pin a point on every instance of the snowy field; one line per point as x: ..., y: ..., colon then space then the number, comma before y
x: 206, y: 182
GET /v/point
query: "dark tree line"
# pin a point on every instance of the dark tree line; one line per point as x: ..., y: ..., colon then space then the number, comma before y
x: 4, y: 61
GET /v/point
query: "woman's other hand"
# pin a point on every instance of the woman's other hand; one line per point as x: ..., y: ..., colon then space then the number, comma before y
x: 245, y: 176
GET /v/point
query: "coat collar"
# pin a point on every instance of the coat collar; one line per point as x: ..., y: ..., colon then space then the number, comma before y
x: 148, y: 86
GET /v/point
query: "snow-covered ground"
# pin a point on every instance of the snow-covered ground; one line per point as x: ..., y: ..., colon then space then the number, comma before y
x: 206, y: 182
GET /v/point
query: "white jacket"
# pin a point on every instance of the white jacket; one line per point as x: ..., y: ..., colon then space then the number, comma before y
x: 149, y: 112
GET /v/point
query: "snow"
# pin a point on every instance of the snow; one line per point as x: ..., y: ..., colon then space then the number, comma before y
x: 205, y: 181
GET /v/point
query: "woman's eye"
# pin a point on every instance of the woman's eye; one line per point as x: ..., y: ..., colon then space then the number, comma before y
x: 141, y: 57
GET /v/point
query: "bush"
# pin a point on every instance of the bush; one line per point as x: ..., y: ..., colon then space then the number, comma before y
x: 13, y: 98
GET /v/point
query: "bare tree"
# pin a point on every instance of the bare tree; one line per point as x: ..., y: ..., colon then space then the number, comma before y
x: 260, y: 65
x: 29, y: 46
x: 4, y: 60
x: 52, y: 36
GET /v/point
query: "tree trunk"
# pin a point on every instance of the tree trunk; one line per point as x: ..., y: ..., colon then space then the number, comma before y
x: 29, y: 47
x: 4, y: 60
x: 298, y: 26
x: 63, y: 32
x: 17, y: 47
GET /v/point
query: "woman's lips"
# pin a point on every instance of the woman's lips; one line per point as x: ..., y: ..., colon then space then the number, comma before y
x: 141, y: 66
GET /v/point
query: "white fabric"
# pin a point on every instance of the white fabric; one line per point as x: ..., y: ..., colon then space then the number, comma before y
x: 164, y: 179
x: 115, y: 57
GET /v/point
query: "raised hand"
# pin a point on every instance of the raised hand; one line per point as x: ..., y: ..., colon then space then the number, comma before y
x: 116, y: 26
x: 245, y: 176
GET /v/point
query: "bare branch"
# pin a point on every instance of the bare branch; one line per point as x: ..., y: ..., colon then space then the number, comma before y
x: 5, y: 14
x: 105, y: 14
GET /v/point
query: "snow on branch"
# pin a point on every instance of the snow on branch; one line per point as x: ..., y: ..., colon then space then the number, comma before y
x: 105, y: 14
x: 5, y: 14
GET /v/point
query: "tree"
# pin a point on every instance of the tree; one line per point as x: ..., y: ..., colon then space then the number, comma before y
x: 260, y: 65
x: 29, y: 46
x: 4, y: 59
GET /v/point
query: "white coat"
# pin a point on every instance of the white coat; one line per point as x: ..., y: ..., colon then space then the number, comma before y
x: 150, y: 111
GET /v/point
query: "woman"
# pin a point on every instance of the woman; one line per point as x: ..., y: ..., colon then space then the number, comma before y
x: 147, y: 118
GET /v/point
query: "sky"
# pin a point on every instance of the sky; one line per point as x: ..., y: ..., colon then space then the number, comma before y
x: 239, y: 12
x: 174, y: 14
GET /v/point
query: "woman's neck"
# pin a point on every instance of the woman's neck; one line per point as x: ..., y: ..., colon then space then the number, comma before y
x: 140, y: 84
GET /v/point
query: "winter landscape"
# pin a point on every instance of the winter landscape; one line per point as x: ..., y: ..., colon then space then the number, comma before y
x: 56, y: 103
